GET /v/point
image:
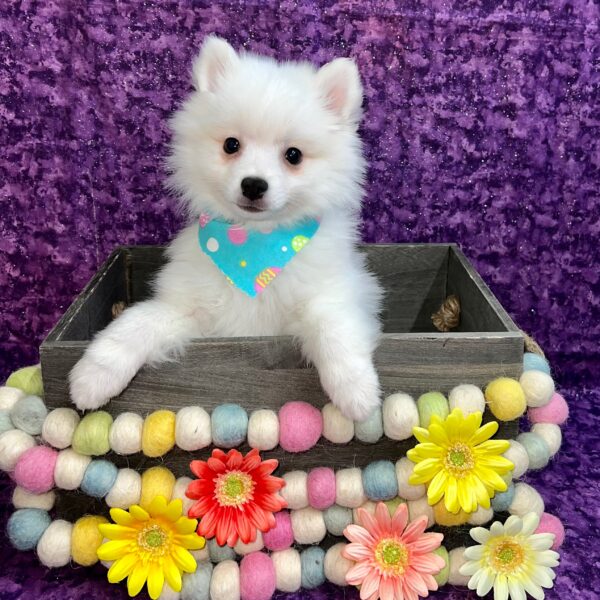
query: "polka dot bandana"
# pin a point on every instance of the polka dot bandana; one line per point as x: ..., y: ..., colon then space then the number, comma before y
x: 251, y: 260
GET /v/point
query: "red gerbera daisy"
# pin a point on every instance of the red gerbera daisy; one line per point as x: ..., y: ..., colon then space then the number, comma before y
x: 236, y: 496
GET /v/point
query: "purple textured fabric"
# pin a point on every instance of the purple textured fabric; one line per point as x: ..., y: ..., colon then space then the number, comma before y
x: 481, y: 127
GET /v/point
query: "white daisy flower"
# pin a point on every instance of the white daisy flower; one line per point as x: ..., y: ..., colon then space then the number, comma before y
x: 512, y: 559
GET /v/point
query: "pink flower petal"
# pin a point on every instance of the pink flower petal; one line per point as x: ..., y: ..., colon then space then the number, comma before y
x: 415, y: 581
x: 426, y: 563
x: 428, y: 542
x: 415, y: 529
x: 400, y: 518
x: 382, y: 516
x: 357, y: 552
x: 358, y: 534
x: 357, y: 573
x: 370, y: 585
x: 386, y: 587
x: 369, y: 522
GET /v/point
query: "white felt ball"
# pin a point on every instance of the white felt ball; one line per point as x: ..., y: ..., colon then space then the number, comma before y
x: 9, y: 396
x: 126, y: 490
x: 263, y: 429
x: 181, y: 485
x: 225, y: 581
x: 369, y: 506
x: 481, y: 516
x: 418, y: 508
x: 469, y: 398
x: 456, y: 559
x: 256, y: 546
x: 12, y: 444
x: 288, y: 570
x: 335, y: 565
x: 54, y: 547
x: 519, y: 457
x: 70, y: 469
x: 295, y: 491
x: 125, y: 435
x: 349, y: 491
x: 336, y: 427
x: 201, y: 555
x: 538, y: 387
x: 404, y: 469
x: 59, y: 427
x: 192, y: 428
x: 400, y: 415
x: 526, y: 500
x: 308, y: 525
x: 551, y: 434
x: 21, y: 498
x: 168, y: 593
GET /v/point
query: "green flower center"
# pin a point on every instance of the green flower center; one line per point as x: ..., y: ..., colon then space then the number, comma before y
x: 459, y: 460
x: 153, y: 538
x: 507, y: 556
x: 234, y: 488
x: 391, y: 556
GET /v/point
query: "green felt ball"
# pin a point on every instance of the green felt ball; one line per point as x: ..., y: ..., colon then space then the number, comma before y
x: 28, y: 379
x: 432, y: 403
x: 442, y: 576
x: 92, y: 434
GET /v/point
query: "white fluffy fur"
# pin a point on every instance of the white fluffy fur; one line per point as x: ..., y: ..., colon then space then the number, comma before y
x: 325, y: 297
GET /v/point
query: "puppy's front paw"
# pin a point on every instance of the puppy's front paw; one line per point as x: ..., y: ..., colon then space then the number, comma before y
x: 93, y: 385
x: 355, y: 391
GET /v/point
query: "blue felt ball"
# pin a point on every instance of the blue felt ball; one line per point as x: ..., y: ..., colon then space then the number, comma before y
x: 535, y: 362
x: 196, y: 585
x: 379, y: 480
x: 502, y: 500
x: 229, y: 424
x: 371, y: 430
x: 536, y: 448
x: 99, y: 477
x: 28, y: 414
x: 312, y: 569
x: 218, y: 553
x: 26, y: 526
x: 5, y: 423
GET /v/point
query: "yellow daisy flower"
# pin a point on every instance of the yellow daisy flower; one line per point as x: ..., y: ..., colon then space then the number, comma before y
x: 150, y: 545
x: 459, y: 461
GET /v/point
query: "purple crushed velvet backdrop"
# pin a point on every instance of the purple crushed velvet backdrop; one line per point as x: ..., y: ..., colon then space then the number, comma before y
x: 481, y: 127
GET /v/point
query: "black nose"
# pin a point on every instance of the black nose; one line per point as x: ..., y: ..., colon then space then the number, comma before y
x: 254, y: 187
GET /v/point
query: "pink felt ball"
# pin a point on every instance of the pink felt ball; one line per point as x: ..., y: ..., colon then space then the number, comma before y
x: 34, y: 470
x: 321, y: 488
x: 300, y: 426
x: 551, y: 524
x: 257, y: 577
x: 282, y: 535
x: 556, y: 411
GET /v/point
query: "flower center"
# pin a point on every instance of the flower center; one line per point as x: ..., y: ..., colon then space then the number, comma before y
x: 234, y: 488
x: 153, y: 538
x: 459, y: 460
x: 391, y: 556
x: 507, y: 556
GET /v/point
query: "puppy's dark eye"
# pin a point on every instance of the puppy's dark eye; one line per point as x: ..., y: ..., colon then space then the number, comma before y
x: 293, y: 156
x: 231, y: 145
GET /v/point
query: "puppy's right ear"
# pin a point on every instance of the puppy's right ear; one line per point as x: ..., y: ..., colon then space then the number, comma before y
x: 215, y: 59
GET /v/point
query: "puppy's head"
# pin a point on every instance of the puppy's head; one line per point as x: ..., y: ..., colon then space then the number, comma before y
x: 262, y: 141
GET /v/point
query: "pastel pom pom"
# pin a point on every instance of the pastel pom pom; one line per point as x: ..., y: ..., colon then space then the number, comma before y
x: 54, y: 547
x: 308, y: 526
x: 28, y: 414
x: 126, y: 490
x: 537, y: 450
x: 91, y: 436
x: 23, y: 499
x: 281, y: 536
x: 86, y: 539
x: 469, y: 398
x: 535, y: 362
x: 551, y: 434
x: 9, y: 397
x: 335, y: 565
x: 538, y: 387
x: 26, y: 526
x: 12, y: 444
x: 288, y: 570
x: 442, y: 577
x: 70, y: 469
x: 371, y: 430
x: 406, y: 490
x: 158, y: 433
x: 312, y: 567
x: 257, y: 577
x: 196, y: 585
x: 456, y: 559
x: 263, y: 429
x: 229, y: 423
x: 5, y: 423
x: 99, y: 478
x: 156, y: 481
x: 34, y: 470
x: 526, y: 500
x: 506, y: 398
x: 551, y: 524
x: 28, y: 379
x: 225, y: 582
x: 300, y: 426
x: 502, y: 500
x: 556, y: 411
x: 219, y: 554
x: 125, y: 435
x: 400, y: 415
x: 349, y: 490
x: 431, y: 403
x: 295, y: 491
x: 321, y: 488
x: 337, y: 518
x: 193, y: 429
x: 518, y: 457
x: 59, y: 427
x: 336, y: 427
x: 379, y: 480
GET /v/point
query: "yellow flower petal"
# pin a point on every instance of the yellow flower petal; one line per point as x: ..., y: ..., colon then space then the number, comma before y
x: 115, y: 549
x: 156, y: 580
x: 122, y: 517
x: 469, y: 426
x: 137, y: 578
x: 429, y: 450
x: 172, y: 574
x: 158, y: 506
x: 497, y: 463
x: 437, y: 487
x: 138, y: 513
x: 491, y: 479
x: 191, y: 541
x: 421, y: 434
x: 122, y: 568
x: 429, y: 465
x: 116, y: 532
x: 183, y: 559
x: 484, y: 433
x: 184, y: 525
x: 493, y: 447
x: 466, y: 496
x: 438, y: 435
x: 174, y: 510
x: 451, y: 496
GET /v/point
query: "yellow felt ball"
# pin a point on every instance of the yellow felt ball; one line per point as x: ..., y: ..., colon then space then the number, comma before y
x: 28, y: 379
x: 445, y: 518
x: 158, y: 434
x: 86, y: 539
x: 156, y: 481
x: 506, y: 398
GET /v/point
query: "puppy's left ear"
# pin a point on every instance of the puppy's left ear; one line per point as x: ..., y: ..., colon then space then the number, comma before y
x: 215, y: 60
x: 339, y: 85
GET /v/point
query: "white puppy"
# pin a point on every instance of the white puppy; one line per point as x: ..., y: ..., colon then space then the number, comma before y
x: 265, y: 146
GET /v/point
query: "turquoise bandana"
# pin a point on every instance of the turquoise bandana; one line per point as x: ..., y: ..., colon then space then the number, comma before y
x: 251, y: 260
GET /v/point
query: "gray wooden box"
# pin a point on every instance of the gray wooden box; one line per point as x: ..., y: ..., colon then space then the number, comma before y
x: 269, y: 371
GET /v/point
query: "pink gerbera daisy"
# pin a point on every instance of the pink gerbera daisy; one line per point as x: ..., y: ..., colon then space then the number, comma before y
x: 393, y: 561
